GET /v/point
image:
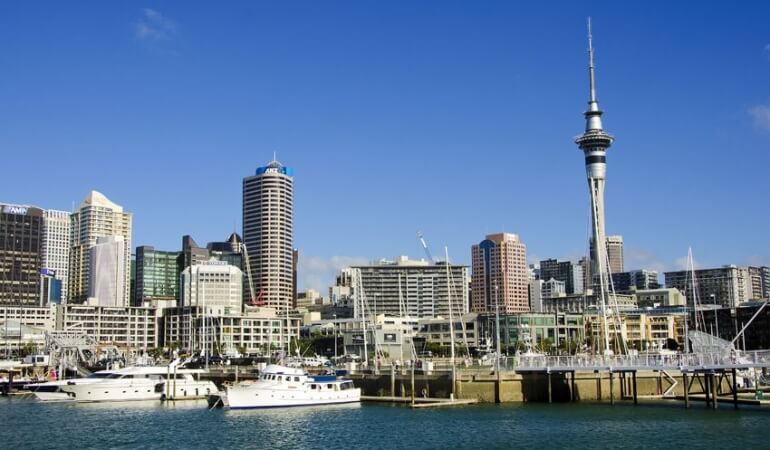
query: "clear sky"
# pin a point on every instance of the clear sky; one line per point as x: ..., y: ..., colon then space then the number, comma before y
x: 453, y: 118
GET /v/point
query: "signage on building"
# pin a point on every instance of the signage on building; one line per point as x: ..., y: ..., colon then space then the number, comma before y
x: 47, y: 272
x: 15, y: 209
x: 281, y: 169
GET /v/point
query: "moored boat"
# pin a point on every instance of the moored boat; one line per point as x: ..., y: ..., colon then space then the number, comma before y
x: 281, y: 386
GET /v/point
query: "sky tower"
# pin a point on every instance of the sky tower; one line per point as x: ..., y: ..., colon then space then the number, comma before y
x: 594, y: 143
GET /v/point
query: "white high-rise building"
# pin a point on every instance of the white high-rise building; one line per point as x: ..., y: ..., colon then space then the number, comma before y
x: 107, y: 274
x: 55, y: 252
x: 215, y: 286
x: 268, y: 218
x: 96, y: 217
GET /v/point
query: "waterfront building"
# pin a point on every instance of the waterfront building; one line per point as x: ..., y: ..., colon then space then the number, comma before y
x: 655, y: 298
x: 635, y: 279
x: 553, y: 288
x: 156, y: 275
x: 21, y: 235
x: 566, y: 271
x: 213, y: 285
x: 500, y: 275
x: 641, y: 330
x: 436, y: 331
x: 55, y: 252
x: 542, y: 331
x: 404, y: 287
x: 726, y: 323
x: 577, y: 304
x: 127, y: 328
x: 131, y: 329
x: 386, y: 338
x: 97, y: 217
x: 255, y: 331
x: 268, y: 217
x: 727, y: 286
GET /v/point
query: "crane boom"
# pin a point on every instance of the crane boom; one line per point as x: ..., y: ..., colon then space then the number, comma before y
x: 248, y: 272
x: 425, y: 247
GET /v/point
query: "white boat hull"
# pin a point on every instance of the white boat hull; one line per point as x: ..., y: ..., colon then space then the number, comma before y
x: 105, y: 392
x: 248, y: 397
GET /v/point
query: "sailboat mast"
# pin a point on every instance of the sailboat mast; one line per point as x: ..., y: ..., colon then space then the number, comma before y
x: 451, y: 319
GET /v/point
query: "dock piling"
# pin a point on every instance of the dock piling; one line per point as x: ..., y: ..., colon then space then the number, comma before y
x: 735, y: 390
x: 550, y: 397
x: 612, y: 388
x: 686, y: 391
x: 633, y: 380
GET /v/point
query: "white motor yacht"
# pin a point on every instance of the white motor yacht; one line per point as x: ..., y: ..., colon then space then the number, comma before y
x: 51, y: 391
x: 142, y: 383
x: 281, y: 386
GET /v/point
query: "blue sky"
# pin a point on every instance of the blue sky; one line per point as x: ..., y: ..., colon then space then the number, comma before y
x: 453, y: 118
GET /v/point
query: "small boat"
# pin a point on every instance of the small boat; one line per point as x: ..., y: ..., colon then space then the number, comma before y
x: 142, y: 383
x: 282, y: 386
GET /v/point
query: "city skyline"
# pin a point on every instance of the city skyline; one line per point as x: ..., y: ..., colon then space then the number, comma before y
x: 425, y: 130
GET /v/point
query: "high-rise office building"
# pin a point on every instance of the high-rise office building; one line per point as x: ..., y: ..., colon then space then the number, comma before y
x: 156, y: 275
x: 56, y: 247
x: 96, y: 217
x: 107, y: 284
x: 213, y: 285
x: 268, y: 217
x: 615, y: 253
x: 500, y: 274
x: 21, y: 235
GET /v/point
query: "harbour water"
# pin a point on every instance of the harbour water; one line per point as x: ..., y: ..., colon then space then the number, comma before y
x: 25, y: 423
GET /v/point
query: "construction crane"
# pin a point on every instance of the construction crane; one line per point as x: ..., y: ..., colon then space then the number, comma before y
x: 425, y: 247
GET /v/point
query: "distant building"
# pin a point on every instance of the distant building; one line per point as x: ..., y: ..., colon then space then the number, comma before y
x: 107, y: 282
x: 404, y: 287
x: 156, y: 275
x: 578, y: 304
x: 500, y: 274
x: 655, y: 298
x: 21, y: 235
x: 268, y: 224
x: 565, y: 271
x: 56, y: 247
x: 635, y: 279
x: 215, y: 286
x: 536, y: 295
x: 553, y: 288
x: 96, y: 217
x: 728, y: 286
x: 615, y: 253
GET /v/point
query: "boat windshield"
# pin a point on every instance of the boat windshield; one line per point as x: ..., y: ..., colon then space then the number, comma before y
x: 99, y: 375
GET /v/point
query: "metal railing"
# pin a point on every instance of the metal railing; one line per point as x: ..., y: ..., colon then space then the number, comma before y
x: 760, y: 358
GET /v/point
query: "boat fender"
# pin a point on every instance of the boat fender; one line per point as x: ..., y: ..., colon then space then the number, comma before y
x: 163, y: 397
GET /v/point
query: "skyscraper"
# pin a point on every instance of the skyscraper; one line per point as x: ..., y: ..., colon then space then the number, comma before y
x: 21, y: 230
x: 107, y: 285
x: 615, y: 253
x: 594, y: 143
x: 56, y: 246
x: 268, y: 218
x: 96, y: 217
x: 156, y: 275
x: 499, y: 274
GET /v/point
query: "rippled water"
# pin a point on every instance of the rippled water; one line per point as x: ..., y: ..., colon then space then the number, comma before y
x: 25, y: 423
